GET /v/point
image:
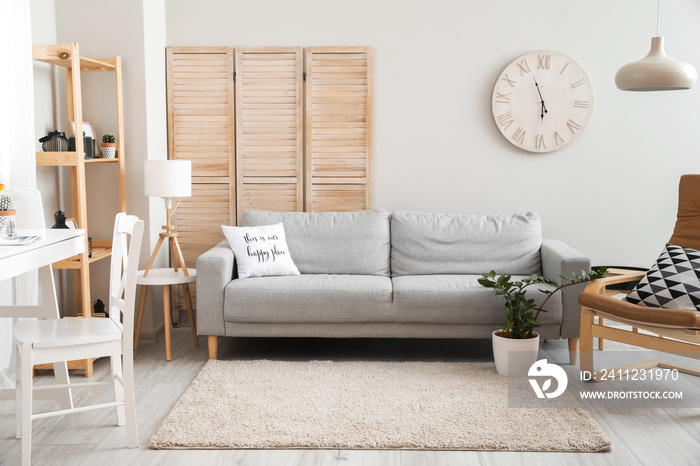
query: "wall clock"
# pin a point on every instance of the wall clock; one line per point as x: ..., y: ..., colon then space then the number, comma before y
x: 542, y: 101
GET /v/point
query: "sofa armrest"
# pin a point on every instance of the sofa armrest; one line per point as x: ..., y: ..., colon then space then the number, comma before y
x: 558, y: 259
x: 214, y: 272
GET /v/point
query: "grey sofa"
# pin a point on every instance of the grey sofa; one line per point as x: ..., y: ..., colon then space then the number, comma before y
x: 375, y: 274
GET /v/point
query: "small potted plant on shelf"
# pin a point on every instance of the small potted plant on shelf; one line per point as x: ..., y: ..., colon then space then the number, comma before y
x: 6, y: 207
x: 109, y: 146
x: 518, y: 334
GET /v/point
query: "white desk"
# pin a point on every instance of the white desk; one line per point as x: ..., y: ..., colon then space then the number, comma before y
x: 55, y: 245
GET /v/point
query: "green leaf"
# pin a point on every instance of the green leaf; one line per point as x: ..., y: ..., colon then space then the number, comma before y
x: 486, y: 282
x: 519, y: 308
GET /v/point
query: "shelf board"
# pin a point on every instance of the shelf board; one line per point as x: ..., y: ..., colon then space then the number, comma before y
x: 102, y: 160
x: 66, y: 159
x: 75, y: 262
x: 61, y: 55
x: 57, y: 159
x: 85, y: 364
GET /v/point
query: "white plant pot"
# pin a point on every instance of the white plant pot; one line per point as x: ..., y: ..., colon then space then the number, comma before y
x: 4, y: 216
x: 518, y: 354
x: 109, y: 152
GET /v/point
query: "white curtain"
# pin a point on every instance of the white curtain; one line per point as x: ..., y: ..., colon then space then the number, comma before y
x: 17, y: 159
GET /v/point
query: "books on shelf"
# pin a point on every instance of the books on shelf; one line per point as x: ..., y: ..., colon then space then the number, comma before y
x: 21, y: 240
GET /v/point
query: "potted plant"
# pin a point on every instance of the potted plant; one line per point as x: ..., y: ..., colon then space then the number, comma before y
x: 518, y: 334
x: 6, y: 207
x: 109, y: 146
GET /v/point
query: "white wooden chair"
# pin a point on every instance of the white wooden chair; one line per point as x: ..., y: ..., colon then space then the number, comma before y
x: 45, y: 341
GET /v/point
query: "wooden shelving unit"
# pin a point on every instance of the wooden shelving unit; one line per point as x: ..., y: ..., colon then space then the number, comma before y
x: 68, y: 57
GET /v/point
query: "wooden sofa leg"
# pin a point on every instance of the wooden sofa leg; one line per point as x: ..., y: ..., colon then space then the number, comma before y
x: 213, y: 342
x: 573, y: 350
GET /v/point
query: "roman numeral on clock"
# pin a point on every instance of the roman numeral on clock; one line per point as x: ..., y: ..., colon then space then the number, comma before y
x: 519, y: 135
x: 573, y: 126
x: 543, y: 61
x: 505, y: 120
x: 503, y: 98
x: 539, y: 142
x: 509, y: 81
x: 582, y: 103
x: 524, y: 67
x: 578, y: 83
x: 557, y: 138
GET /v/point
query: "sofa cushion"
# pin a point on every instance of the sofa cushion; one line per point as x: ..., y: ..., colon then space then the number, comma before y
x: 309, y: 298
x: 459, y: 299
x: 424, y: 244
x: 260, y: 251
x: 333, y: 242
x: 673, y: 282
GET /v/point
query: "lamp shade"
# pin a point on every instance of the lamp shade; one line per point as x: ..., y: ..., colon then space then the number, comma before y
x: 656, y: 72
x: 167, y: 178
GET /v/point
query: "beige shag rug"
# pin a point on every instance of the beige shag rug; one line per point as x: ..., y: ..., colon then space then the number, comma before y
x: 366, y: 405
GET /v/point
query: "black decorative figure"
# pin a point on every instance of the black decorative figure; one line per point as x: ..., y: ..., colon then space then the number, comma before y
x: 99, y: 307
x: 60, y: 218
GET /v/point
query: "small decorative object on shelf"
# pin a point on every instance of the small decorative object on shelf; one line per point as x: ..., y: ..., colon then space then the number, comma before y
x: 54, y: 142
x: 6, y: 207
x: 98, y: 309
x: 90, y: 247
x: 60, y: 218
x: 109, y: 146
x: 88, y: 146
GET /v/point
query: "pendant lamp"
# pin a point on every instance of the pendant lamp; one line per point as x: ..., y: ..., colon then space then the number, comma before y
x: 657, y: 71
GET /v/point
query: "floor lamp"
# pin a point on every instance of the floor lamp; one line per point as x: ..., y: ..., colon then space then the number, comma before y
x: 167, y: 179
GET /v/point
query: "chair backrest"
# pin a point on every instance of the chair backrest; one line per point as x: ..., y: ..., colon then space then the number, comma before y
x: 126, y: 249
x: 687, y: 230
x: 27, y: 203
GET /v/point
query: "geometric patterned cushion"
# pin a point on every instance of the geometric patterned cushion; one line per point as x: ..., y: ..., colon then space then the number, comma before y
x: 673, y: 282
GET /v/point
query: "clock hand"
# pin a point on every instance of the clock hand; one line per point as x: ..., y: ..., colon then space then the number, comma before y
x: 544, y: 107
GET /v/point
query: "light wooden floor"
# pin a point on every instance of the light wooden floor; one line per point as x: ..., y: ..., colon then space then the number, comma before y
x: 651, y: 437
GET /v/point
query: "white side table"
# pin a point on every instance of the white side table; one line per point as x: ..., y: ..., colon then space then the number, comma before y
x: 166, y: 277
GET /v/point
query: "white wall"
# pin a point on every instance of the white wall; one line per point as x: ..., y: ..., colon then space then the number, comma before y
x: 611, y: 194
x: 104, y: 28
x: 48, y: 88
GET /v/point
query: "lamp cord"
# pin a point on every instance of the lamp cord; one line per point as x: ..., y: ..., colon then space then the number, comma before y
x: 176, y: 206
x: 658, y: 18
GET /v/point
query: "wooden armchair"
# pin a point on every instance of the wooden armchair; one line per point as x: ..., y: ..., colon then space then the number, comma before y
x: 668, y: 330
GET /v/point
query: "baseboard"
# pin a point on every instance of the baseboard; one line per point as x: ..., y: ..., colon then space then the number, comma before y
x: 158, y: 334
x: 153, y: 337
x: 7, y: 379
x: 183, y: 319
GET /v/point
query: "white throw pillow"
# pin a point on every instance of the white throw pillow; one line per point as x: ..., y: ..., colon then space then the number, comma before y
x: 260, y: 251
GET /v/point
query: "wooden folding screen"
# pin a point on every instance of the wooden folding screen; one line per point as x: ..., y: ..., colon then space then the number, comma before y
x: 269, y: 122
x: 338, y: 128
x: 251, y: 155
x: 201, y: 129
